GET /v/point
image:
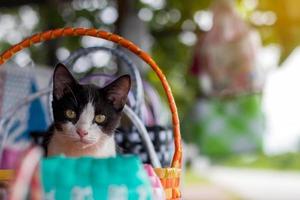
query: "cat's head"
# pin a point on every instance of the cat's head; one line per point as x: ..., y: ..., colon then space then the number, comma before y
x: 87, y: 113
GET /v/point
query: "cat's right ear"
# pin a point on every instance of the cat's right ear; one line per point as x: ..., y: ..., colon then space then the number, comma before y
x: 63, y: 81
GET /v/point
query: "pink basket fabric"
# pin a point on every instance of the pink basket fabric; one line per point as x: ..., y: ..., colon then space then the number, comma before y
x: 158, y: 191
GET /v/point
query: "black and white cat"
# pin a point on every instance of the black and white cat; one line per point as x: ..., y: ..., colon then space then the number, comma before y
x: 85, y: 116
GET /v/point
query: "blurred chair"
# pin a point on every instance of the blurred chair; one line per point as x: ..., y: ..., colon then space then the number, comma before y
x: 15, y: 85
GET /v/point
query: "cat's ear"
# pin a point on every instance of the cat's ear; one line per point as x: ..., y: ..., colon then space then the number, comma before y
x: 117, y: 91
x: 63, y: 81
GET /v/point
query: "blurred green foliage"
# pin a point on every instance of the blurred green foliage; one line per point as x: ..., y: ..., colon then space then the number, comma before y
x: 226, y: 126
x: 288, y: 161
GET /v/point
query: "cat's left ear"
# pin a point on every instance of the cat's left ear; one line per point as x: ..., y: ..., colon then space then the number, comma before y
x: 117, y: 91
x: 63, y: 81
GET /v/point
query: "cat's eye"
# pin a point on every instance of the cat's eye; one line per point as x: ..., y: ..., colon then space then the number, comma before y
x: 70, y: 114
x: 100, y: 118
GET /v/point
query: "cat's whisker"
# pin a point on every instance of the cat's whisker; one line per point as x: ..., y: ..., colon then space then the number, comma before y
x: 89, y: 145
x: 118, y: 131
x: 69, y: 136
x: 91, y: 138
x: 119, y: 149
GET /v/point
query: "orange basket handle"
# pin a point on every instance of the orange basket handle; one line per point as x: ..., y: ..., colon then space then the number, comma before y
x: 56, y: 33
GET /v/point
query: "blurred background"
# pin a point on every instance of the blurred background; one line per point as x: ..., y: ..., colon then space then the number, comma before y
x: 232, y: 66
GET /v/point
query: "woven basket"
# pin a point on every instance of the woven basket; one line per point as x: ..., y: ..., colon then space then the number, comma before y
x: 170, y: 177
x: 145, y: 103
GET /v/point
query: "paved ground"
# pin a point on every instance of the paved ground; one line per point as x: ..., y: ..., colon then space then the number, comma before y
x: 205, y: 192
x: 257, y: 184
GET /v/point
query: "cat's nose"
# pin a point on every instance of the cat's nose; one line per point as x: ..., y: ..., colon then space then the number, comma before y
x: 81, y: 132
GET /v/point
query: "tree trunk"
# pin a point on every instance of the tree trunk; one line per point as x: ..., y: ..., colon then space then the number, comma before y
x: 132, y: 28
